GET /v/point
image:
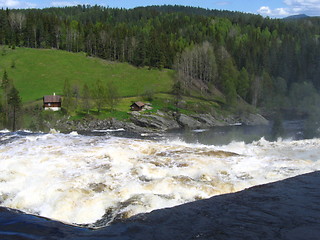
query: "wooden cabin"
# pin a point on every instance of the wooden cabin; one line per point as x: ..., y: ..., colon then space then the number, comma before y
x: 137, y: 106
x: 52, y: 102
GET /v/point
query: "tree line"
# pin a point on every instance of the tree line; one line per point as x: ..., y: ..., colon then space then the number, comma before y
x: 10, y: 103
x: 85, y: 97
x: 239, y: 54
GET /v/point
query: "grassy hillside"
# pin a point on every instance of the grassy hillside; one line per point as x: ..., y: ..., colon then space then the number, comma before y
x: 39, y: 72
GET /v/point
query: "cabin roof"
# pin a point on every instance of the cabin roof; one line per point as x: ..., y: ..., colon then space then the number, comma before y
x: 139, y: 104
x: 52, y: 98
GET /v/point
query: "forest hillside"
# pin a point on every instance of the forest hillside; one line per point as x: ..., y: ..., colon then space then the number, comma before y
x: 272, y: 64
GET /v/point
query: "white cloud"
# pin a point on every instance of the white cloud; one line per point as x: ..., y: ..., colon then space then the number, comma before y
x: 278, y: 12
x: 265, y: 10
x: 9, y: 3
x: 310, y: 7
x: 293, y: 7
x: 64, y: 4
x: 16, y: 4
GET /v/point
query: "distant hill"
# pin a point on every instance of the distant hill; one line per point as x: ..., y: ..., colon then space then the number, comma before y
x: 299, y: 16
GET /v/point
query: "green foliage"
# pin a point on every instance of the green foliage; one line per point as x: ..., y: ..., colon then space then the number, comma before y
x: 112, y: 95
x: 14, y: 99
x: 154, y: 36
x: 86, y: 96
x: 99, y: 94
x: 243, y: 83
x: 303, y: 97
x: 177, y: 92
x: 238, y: 54
x: 43, y: 72
x: 67, y: 95
x: 14, y: 102
x: 228, y: 76
x: 148, y: 94
x: 196, y: 68
x: 5, y: 83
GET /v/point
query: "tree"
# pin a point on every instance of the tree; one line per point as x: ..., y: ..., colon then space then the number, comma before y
x: 228, y: 75
x: 112, y: 95
x: 177, y: 92
x: 2, y: 113
x: 14, y: 101
x: 196, y: 67
x: 243, y: 84
x: 86, y: 98
x: 5, y: 83
x: 67, y: 95
x: 99, y: 94
x: 75, y: 95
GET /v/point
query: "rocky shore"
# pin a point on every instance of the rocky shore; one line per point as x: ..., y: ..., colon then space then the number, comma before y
x: 158, y: 122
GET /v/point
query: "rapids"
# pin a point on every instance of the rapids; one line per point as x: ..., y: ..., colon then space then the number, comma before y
x: 95, y: 180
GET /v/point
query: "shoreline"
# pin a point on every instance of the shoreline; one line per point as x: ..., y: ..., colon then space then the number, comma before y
x: 159, y: 122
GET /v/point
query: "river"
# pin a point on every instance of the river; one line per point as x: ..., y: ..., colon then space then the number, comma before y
x: 93, y: 179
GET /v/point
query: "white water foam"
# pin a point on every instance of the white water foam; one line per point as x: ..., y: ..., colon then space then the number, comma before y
x: 81, y: 179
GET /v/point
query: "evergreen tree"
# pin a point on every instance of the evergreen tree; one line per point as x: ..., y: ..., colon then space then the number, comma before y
x: 243, y: 84
x: 5, y: 83
x: 14, y: 102
x: 177, y: 92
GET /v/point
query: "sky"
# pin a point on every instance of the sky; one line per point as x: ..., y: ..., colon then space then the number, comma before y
x: 271, y: 8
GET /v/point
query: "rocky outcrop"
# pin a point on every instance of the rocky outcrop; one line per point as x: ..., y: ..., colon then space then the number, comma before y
x: 254, y: 119
x: 208, y: 120
x: 188, y: 121
x: 159, y: 121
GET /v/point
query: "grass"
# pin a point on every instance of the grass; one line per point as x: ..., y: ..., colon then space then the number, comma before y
x: 39, y: 72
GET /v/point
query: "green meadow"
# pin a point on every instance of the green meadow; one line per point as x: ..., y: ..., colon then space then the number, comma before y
x: 39, y: 72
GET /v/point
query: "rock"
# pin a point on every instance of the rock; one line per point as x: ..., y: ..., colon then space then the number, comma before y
x: 208, y: 120
x: 254, y: 119
x: 163, y: 122
x: 159, y: 121
x: 188, y: 122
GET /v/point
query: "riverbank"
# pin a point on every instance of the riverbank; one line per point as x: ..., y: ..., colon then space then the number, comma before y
x: 157, y: 122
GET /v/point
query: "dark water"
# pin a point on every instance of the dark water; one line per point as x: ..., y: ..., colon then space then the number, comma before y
x: 293, y: 129
x: 224, y: 135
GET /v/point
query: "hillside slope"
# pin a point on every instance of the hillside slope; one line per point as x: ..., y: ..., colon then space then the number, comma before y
x: 38, y: 72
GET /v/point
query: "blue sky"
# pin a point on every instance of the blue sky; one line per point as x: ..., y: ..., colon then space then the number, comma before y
x: 271, y: 8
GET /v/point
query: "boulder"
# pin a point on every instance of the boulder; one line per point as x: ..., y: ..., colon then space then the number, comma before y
x: 254, y: 119
x: 188, y: 122
x: 161, y: 122
x: 207, y: 120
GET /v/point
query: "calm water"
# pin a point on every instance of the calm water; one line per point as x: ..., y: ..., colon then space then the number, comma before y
x: 94, y: 179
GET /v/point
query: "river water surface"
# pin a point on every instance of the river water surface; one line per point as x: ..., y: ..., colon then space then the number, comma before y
x: 93, y: 179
